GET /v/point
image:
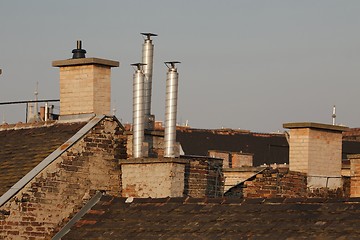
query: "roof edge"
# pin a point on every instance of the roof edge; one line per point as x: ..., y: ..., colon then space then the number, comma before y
x: 314, y: 125
x: 49, y: 159
x: 85, y: 209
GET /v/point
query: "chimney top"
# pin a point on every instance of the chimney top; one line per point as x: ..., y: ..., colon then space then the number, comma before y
x: 138, y: 65
x: 171, y: 64
x: 148, y: 35
x: 78, y: 52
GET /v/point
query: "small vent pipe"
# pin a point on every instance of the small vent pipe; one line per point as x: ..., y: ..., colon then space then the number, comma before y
x: 334, y: 115
x: 138, y: 110
x: 170, y: 109
x: 147, y: 58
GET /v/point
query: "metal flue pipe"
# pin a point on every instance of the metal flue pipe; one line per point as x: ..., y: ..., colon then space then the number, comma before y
x: 138, y: 110
x: 147, y: 58
x: 171, y: 109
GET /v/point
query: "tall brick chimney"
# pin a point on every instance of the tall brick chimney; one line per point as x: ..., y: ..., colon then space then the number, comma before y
x: 85, y: 86
x: 316, y: 149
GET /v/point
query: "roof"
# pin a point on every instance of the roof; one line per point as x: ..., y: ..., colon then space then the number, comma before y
x: 267, y: 148
x: 24, y: 148
x: 222, y: 218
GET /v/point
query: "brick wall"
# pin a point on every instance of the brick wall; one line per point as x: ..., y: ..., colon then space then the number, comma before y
x: 60, y: 190
x: 151, y: 177
x: 316, y: 149
x: 239, y: 159
x: 203, y: 177
x: 354, y: 175
x: 85, y: 89
x: 172, y: 177
x: 282, y: 182
x: 234, y: 176
x: 225, y: 156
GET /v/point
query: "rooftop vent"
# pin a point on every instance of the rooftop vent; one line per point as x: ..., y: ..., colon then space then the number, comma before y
x: 147, y: 58
x: 138, y: 110
x: 78, y: 52
x: 170, y: 109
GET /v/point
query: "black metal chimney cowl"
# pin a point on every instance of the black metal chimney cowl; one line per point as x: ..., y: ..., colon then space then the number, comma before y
x: 78, y: 52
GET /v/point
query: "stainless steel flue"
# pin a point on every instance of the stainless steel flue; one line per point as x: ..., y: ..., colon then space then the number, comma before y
x: 147, y: 58
x: 171, y: 109
x: 138, y: 110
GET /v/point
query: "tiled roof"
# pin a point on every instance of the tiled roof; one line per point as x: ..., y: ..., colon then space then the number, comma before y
x: 225, y: 218
x: 22, y: 149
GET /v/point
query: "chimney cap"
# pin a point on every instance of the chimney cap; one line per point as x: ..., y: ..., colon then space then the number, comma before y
x: 138, y: 65
x: 171, y: 64
x: 148, y: 35
x: 78, y: 52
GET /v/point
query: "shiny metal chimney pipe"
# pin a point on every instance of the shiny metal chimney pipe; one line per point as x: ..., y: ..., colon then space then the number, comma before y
x: 170, y: 109
x: 138, y: 110
x: 147, y: 58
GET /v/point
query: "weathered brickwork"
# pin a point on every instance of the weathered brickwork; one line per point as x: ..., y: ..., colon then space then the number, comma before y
x: 355, y: 175
x: 171, y: 177
x: 234, y: 176
x: 273, y: 183
x: 61, y: 189
x: 239, y: 159
x: 224, y: 155
x: 203, y: 177
x: 155, y: 178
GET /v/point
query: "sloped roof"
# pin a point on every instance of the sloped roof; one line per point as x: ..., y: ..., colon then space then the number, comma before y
x: 223, y: 218
x: 22, y: 149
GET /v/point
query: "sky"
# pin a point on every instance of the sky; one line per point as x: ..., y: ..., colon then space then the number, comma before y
x: 245, y: 64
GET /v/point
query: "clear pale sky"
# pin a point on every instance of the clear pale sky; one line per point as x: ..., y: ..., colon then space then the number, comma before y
x: 245, y: 64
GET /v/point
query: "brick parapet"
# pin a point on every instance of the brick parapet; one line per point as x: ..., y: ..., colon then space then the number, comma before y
x: 281, y: 182
x: 50, y: 199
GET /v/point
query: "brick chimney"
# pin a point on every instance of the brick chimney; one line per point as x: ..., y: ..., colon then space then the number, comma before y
x: 316, y: 149
x: 85, y: 86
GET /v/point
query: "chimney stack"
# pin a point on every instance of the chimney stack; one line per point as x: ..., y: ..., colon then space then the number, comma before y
x: 147, y: 59
x: 138, y: 110
x: 316, y: 149
x: 85, y: 87
x: 170, y: 109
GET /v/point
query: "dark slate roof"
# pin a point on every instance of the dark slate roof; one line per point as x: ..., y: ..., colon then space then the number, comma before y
x: 267, y: 148
x: 22, y: 149
x: 231, y: 218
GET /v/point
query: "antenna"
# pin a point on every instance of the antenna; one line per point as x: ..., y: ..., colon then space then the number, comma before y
x: 334, y: 115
